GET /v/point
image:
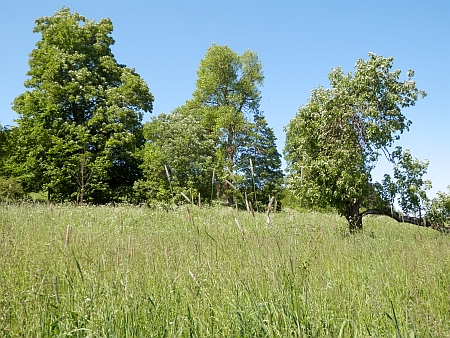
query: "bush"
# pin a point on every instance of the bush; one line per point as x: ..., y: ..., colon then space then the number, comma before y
x: 10, y: 189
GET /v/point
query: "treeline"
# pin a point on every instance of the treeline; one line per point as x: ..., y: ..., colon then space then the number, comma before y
x: 80, y: 137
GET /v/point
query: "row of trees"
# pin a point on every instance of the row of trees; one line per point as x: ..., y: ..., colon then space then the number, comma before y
x: 80, y: 136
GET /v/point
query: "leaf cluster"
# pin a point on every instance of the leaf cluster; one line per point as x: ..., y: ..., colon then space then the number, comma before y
x: 177, y: 157
x: 438, y: 209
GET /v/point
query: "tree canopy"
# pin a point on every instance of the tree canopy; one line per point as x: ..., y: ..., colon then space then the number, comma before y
x: 80, y: 135
x: 226, y: 101
x: 438, y: 209
x: 80, y: 119
x: 336, y: 139
x: 178, y: 157
x: 258, y: 164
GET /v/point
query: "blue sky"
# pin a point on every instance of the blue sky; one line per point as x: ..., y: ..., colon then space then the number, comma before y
x: 298, y: 42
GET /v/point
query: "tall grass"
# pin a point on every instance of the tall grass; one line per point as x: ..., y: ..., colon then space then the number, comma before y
x: 137, y: 272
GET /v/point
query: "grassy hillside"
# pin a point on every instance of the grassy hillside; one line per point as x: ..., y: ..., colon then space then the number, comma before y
x: 137, y: 272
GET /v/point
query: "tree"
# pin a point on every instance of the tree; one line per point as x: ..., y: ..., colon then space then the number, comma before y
x: 225, y: 100
x: 178, y: 157
x: 258, y: 164
x: 438, y: 210
x: 334, y: 142
x: 80, y: 119
x: 408, y: 172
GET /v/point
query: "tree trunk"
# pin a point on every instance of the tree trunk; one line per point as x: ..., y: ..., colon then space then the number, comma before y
x: 353, y: 216
x: 398, y: 217
x: 230, y: 156
x: 229, y: 200
x: 405, y: 219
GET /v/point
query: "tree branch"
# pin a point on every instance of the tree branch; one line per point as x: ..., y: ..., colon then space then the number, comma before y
x: 404, y: 219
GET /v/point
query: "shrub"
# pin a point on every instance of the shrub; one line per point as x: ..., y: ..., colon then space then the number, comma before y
x: 10, y: 189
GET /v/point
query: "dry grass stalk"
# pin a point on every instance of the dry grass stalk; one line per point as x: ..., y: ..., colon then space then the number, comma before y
x: 239, y: 227
x: 231, y: 185
x: 193, y: 276
x: 189, y: 215
x: 251, y: 208
x: 185, y: 197
x: 269, y: 206
x: 167, y: 172
x: 246, y: 202
x: 195, y: 279
x: 231, y: 175
x: 68, y: 231
x: 212, y: 183
x: 275, y: 206
x: 55, y: 288
x: 120, y: 217
x: 199, y: 201
x: 130, y: 246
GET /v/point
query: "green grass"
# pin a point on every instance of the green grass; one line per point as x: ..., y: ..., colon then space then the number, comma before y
x: 138, y: 272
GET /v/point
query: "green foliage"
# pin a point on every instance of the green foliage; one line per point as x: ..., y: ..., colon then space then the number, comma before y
x: 4, y: 133
x: 3, y: 140
x: 407, y: 184
x: 177, y: 157
x: 438, y: 209
x: 80, y: 119
x: 10, y: 189
x: 408, y: 174
x: 8, y: 146
x: 333, y: 142
x: 226, y: 102
x: 226, y: 90
x: 258, y: 164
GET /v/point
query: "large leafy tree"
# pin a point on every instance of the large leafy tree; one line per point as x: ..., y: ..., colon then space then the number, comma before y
x: 335, y: 140
x: 178, y: 157
x: 80, y: 118
x: 226, y: 102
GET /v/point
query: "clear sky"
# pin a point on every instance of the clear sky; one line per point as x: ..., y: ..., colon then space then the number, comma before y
x: 298, y: 42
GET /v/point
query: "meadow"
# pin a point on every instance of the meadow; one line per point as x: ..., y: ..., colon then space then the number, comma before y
x: 126, y: 271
